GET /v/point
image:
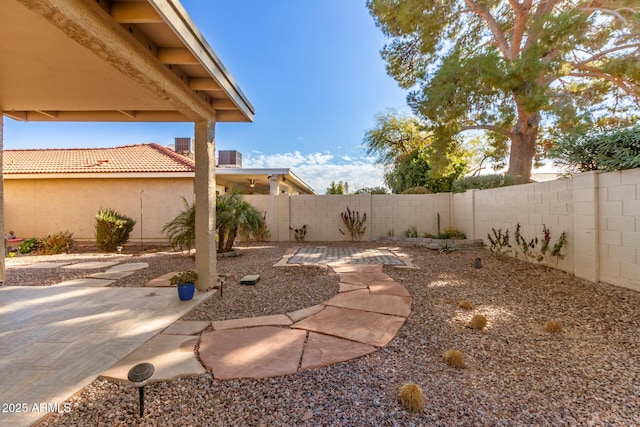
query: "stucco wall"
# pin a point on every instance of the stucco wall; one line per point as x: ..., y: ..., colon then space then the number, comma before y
x: 38, y: 207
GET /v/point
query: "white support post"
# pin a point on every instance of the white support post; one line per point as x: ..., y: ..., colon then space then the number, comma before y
x: 205, y: 190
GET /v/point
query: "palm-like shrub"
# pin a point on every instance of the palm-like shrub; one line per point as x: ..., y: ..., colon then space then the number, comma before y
x: 112, y: 229
x: 235, y: 215
x: 182, y: 229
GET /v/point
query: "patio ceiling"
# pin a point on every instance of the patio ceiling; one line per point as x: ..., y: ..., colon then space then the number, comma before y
x: 103, y: 60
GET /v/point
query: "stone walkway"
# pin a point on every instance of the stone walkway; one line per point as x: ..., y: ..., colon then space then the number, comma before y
x: 365, y: 315
x: 328, y: 255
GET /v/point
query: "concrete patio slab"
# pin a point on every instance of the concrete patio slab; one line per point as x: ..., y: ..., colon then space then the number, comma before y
x: 41, y: 265
x: 250, y: 322
x: 305, y: 312
x: 261, y: 352
x: 378, y: 303
x: 129, y: 266
x: 172, y: 356
x: 161, y: 281
x: 89, y: 265
x: 111, y: 274
x: 85, y: 282
x: 187, y: 327
x: 362, y: 326
x: 323, y: 350
x: 78, y: 332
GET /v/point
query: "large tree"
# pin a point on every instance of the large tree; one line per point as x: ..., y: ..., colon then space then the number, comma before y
x: 521, y: 70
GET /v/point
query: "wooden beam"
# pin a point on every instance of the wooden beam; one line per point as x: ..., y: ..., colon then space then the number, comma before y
x: 224, y: 104
x: 203, y: 83
x: 50, y: 114
x: 176, y: 56
x: 20, y: 116
x: 134, y: 13
x: 130, y: 114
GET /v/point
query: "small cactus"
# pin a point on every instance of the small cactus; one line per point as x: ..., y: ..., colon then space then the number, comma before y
x: 411, y: 397
x: 553, y: 326
x: 465, y: 305
x: 455, y: 359
x: 478, y: 322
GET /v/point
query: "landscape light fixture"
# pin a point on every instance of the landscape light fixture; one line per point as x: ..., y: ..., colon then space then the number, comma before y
x: 252, y: 183
x: 478, y: 263
x: 139, y: 375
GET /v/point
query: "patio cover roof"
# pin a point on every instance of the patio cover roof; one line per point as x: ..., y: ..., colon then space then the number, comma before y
x: 104, y: 60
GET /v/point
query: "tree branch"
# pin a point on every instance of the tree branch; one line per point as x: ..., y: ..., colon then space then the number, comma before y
x: 491, y: 128
x: 625, y: 85
x: 498, y: 35
x: 605, y: 52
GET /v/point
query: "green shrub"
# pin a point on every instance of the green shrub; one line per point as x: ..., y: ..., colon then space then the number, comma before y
x: 112, y: 229
x: 411, y: 232
x: 452, y: 233
x: 417, y: 190
x: 57, y: 243
x: 28, y: 245
x: 483, y: 182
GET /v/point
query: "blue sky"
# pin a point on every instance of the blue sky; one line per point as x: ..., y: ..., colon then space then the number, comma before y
x: 312, y: 70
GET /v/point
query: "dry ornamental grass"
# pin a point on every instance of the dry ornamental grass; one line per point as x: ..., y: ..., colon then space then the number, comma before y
x: 411, y: 397
x: 553, y: 326
x: 478, y: 322
x: 455, y: 359
x: 465, y: 305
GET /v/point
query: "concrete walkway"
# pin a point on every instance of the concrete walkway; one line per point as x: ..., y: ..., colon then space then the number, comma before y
x: 55, y: 340
x: 366, y: 314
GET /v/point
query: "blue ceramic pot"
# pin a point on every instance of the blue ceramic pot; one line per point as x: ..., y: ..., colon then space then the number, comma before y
x: 186, y: 291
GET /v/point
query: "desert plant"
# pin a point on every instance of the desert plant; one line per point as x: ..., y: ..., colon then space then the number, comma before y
x: 235, y: 215
x: 112, y: 229
x: 455, y: 359
x: 354, y: 223
x: 56, y: 243
x: 465, y: 305
x: 299, y: 233
x: 183, y: 277
x: 538, y: 249
x: 478, y: 322
x: 438, y: 222
x: 553, y: 326
x: 411, y: 397
x: 391, y: 232
x: 181, y: 230
x: 411, y: 232
x: 447, y: 248
x: 452, y: 233
x: 499, y: 242
x: 261, y: 234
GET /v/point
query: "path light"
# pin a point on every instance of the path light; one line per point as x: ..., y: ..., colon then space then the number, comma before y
x: 139, y: 375
x: 478, y: 263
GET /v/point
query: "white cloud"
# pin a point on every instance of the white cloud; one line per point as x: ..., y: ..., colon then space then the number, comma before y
x: 319, y: 169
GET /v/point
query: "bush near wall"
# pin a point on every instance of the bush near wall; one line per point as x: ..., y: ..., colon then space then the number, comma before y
x: 483, y: 182
x: 112, y: 229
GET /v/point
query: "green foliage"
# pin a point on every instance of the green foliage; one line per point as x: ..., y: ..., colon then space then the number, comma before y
x: 371, y: 190
x: 57, y: 243
x: 413, y: 170
x: 391, y: 232
x: 262, y: 234
x: 354, y: 223
x: 235, y: 215
x: 416, y: 190
x: 182, y: 229
x: 112, y: 229
x: 336, y: 188
x: 299, y: 233
x: 482, y: 182
x: 189, y: 276
x: 394, y: 136
x: 28, y: 245
x: 599, y: 148
x: 447, y: 248
x: 411, y: 232
x: 518, y: 73
x: 452, y: 233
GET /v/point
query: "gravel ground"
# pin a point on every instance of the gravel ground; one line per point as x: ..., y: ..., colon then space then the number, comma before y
x: 516, y: 373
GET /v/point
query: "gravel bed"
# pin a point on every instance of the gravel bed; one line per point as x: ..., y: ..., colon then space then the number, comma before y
x: 516, y: 374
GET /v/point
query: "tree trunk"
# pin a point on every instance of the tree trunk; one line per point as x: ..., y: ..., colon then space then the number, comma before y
x: 222, y: 233
x: 523, y: 146
x: 231, y: 237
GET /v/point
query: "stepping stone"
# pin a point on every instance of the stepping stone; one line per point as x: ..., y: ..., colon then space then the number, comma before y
x: 361, y: 278
x: 305, y: 312
x: 356, y: 325
x: 90, y: 265
x: 345, y: 287
x: 260, y: 352
x: 162, y: 281
x: 356, y: 268
x: 85, y: 282
x: 172, y: 356
x: 388, y: 287
x: 324, y: 350
x: 379, y: 303
x: 111, y: 274
x: 129, y: 266
x: 250, y: 322
x: 45, y: 265
x: 185, y: 327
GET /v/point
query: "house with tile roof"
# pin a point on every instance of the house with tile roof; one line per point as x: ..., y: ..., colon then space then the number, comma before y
x: 52, y: 190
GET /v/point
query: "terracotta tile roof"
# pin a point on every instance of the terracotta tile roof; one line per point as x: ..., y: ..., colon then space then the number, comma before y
x: 129, y: 158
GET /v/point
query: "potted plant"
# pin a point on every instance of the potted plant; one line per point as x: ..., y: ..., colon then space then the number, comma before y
x: 186, y: 284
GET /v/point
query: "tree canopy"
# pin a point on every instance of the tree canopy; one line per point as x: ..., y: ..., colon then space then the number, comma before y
x: 336, y: 188
x: 523, y: 71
